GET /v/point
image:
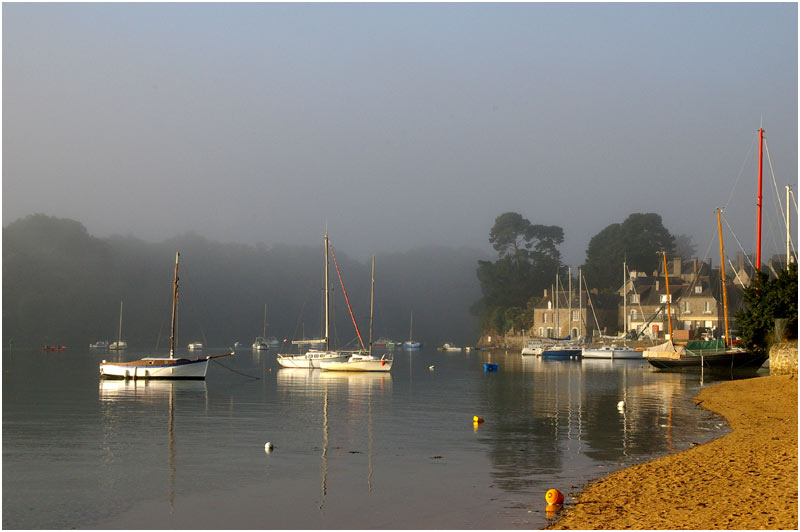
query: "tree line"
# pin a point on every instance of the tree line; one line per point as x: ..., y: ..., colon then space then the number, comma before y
x: 528, y: 260
x: 63, y: 285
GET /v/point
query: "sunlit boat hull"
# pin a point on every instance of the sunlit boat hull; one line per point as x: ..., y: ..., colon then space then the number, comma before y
x: 726, y: 361
x: 358, y: 364
x: 179, y: 368
x: 613, y: 353
x: 311, y: 359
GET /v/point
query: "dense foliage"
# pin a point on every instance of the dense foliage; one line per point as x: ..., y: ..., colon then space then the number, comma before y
x: 62, y: 285
x: 637, y: 240
x: 765, y: 301
x: 528, y: 259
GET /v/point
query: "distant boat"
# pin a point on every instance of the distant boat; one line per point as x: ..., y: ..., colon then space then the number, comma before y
x: 362, y: 361
x: 532, y: 348
x: 450, y: 347
x: 410, y: 343
x: 100, y: 344
x: 54, y: 348
x: 314, y: 357
x: 613, y: 352
x: 120, y: 343
x: 562, y: 351
x: 161, y: 367
x: 260, y: 344
x: 195, y: 346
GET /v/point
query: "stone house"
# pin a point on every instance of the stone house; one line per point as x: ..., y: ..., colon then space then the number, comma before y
x: 575, y: 318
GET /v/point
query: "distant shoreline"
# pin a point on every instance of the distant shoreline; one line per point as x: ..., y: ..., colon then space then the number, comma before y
x: 744, y: 480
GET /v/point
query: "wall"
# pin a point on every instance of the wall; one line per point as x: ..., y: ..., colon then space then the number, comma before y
x: 783, y: 358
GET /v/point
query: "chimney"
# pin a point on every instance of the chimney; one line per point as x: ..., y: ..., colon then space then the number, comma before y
x: 657, y: 285
x: 545, y: 292
x: 676, y: 266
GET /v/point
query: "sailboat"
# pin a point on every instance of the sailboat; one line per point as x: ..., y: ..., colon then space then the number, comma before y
x: 362, y: 361
x: 614, y: 351
x: 712, y: 354
x: 161, y: 367
x: 120, y: 343
x: 260, y: 343
x: 313, y: 357
x: 410, y: 343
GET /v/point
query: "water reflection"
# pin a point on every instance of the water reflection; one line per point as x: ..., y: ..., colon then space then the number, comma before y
x: 116, y: 397
x: 343, y: 399
x: 552, y: 415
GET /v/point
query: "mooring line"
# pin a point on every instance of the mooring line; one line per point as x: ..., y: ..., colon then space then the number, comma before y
x: 235, y: 371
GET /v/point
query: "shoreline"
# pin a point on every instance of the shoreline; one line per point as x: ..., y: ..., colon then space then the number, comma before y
x: 746, y: 479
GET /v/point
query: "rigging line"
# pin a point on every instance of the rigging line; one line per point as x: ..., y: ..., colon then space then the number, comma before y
x: 347, y: 299
x: 774, y: 183
x: 737, y: 240
x: 235, y: 371
x: 741, y: 171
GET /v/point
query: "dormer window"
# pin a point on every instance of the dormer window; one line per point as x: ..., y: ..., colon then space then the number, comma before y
x: 634, y: 298
x: 664, y: 298
x: 698, y: 289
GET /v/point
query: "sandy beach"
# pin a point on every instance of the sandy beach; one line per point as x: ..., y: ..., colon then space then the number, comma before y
x: 744, y: 480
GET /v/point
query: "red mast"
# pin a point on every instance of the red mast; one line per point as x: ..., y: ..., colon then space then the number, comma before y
x: 758, y: 226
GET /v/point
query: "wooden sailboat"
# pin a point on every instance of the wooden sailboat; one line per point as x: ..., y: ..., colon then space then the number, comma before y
x: 713, y: 354
x: 312, y: 358
x: 362, y: 361
x: 161, y: 367
x: 260, y: 343
x: 120, y: 343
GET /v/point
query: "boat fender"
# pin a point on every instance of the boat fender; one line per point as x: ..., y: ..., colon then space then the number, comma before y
x: 268, y: 447
x: 383, y: 362
x: 553, y: 496
x: 476, y: 419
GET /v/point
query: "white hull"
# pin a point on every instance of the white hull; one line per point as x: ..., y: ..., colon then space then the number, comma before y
x: 118, y: 345
x: 613, y: 353
x: 311, y: 359
x: 358, y: 363
x: 156, y: 369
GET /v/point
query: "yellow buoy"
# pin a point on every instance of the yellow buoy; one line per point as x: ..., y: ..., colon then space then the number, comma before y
x: 477, y: 419
x: 554, y: 496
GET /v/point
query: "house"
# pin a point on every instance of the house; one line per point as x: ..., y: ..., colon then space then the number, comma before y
x: 585, y: 314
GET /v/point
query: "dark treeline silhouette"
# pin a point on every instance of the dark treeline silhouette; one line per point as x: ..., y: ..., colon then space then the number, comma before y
x: 63, y: 286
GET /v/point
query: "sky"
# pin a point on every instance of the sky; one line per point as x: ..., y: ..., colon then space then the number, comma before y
x: 398, y: 125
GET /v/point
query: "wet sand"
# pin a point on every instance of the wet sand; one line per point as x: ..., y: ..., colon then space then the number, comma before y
x: 745, y: 480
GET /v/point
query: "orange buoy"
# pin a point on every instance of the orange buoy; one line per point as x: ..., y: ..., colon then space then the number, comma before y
x: 552, y: 509
x: 477, y: 419
x: 554, y: 496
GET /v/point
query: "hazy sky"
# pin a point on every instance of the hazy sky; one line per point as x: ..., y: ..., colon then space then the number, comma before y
x: 398, y: 125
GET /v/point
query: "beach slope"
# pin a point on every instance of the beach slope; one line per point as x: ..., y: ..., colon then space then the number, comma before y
x: 745, y: 480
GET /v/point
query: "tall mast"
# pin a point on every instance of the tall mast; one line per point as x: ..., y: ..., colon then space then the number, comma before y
x: 722, y: 272
x: 265, y: 322
x: 788, y: 229
x: 569, y: 303
x: 758, y: 223
x: 327, y: 297
x: 174, y: 309
x: 580, y: 306
x: 119, y: 336
x: 558, y: 320
x: 669, y: 310
x: 624, y: 299
x: 371, y: 304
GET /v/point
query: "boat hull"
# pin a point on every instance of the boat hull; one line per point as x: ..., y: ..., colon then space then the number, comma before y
x: 561, y: 354
x: 613, y: 354
x: 310, y: 360
x: 718, y: 361
x: 357, y: 365
x: 144, y: 369
x: 411, y: 345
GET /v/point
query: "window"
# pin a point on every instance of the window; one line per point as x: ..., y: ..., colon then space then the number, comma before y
x: 686, y: 306
x: 664, y: 298
x: 549, y: 332
x: 634, y: 315
x: 698, y: 289
x: 544, y: 317
x: 707, y: 307
x: 541, y: 332
x: 575, y: 316
x: 634, y: 298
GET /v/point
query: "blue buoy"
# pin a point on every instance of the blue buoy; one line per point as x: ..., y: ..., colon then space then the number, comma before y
x: 489, y: 367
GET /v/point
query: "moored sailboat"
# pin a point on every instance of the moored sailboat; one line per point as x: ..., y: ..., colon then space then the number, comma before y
x: 120, y: 343
x: 410, y: 343
x: 161, y: 367
x: 313, y: 357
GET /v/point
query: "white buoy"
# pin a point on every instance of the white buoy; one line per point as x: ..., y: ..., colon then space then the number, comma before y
x: 621, y: 404
x: 430, y: 368
x: 268, y: 447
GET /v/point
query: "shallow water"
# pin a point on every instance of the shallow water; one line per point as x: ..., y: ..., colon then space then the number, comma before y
x: 395, y: 450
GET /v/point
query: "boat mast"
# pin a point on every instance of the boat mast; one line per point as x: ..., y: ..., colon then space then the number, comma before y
x: 669, y: 310
x: 722, y: 272
x: 580, y: 305
x: 758, y: 223
x: 174, y: 309
x: 625, y: 300
x: 119, y: 336
x: 371, y: 304
x: 411, y: 328
x: 788, y: 230
x: 569, y: 303
x: 265, y: 322
x: 327, y: 297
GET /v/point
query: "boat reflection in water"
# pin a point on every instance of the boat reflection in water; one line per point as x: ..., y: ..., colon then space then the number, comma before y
x: 341, y: 398
x: 115, y: 396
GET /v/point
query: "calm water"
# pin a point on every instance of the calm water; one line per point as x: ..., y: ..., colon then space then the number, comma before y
x: 371, y: 451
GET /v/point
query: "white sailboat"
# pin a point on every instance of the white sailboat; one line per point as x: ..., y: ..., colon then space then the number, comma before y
x: 362, y: 361
x: 120, y: 343
x: 161, y: 367
x: 260, y: 343
x: 313, y: 357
